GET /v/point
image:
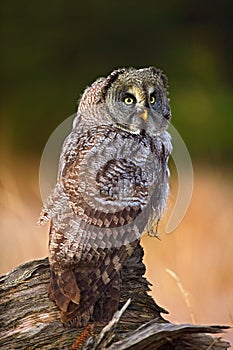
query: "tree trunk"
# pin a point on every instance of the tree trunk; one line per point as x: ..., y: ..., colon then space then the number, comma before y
x: 29, y: 320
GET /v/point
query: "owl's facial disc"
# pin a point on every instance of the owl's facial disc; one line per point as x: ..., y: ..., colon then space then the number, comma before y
x: 135, y: 109
x: 138, y: 104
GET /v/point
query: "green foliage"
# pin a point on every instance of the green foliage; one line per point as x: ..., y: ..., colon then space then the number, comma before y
x: 52, y: 50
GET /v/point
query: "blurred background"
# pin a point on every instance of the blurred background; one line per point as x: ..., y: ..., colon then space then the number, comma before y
x: 50, y: 51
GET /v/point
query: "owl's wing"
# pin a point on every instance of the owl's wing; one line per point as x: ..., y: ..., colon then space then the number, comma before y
x: 107, y: 187
x: 70, y: 152
x: 58, y: 198
x: 91, y: 285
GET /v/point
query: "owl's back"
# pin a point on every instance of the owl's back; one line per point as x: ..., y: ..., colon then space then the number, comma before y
x: 108, y: 182
x: 112, y: 185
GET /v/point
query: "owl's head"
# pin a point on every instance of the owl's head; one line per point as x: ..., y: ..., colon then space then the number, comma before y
x: 137, y: 99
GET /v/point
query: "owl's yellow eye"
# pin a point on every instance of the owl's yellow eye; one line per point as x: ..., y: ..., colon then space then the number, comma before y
x: 129, y: 100
x: 152, y: 99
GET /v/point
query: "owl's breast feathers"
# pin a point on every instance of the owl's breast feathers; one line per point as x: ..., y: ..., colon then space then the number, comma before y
x: 109, y: 182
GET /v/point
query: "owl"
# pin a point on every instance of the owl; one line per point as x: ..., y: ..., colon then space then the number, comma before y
x: 112, y: 186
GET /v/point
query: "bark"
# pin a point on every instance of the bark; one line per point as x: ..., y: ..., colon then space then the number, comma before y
x: 29, y: 320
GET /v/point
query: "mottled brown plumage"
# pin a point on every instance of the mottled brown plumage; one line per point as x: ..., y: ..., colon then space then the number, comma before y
x: 112, y: 185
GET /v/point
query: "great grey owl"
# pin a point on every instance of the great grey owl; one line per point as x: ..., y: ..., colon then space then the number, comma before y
x: 112, y: 185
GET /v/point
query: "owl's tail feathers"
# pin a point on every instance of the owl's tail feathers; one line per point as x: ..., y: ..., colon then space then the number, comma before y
x: 96, y: 305
x: 107, y: 305
x: 63, y: 290
x: 100, y: 289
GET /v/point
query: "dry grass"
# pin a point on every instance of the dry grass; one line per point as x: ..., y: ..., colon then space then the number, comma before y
x: 191, y: 269
x: 20, y: 204
x: 200, y: 255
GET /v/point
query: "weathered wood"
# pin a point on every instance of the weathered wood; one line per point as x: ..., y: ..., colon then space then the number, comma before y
x: 29, y: 320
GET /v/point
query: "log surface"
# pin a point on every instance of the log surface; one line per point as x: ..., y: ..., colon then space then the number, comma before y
x: 29, y: 320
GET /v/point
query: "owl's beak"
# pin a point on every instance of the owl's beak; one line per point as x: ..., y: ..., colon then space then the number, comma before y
x: 143, y: 114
